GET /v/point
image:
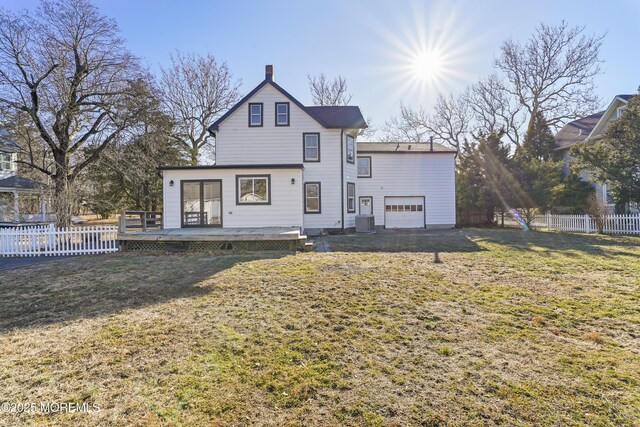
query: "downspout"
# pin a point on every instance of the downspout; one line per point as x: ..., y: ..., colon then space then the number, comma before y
x: 342, y: 177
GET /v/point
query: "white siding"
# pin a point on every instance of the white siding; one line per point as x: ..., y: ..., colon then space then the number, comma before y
x: 327, y: 172
x: 350, y: 175
x: 400, y: 174
x: 285, y: 209
x: 239, y: 144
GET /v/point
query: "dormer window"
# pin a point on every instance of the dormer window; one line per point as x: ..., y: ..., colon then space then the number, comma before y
x: 5, y: 162
x: 620, y: 111
x: 255, y: 114
x: 282, y: 114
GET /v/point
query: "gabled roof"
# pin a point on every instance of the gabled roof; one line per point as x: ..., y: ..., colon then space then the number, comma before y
x: 402, y: 147
x: 333, y: 117
x: 577, y: 130
x: 625, y: 97
x: 588, y: 127
x: 607, y: 115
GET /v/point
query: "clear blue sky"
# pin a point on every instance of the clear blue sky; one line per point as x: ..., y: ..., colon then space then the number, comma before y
x: 369, y: 42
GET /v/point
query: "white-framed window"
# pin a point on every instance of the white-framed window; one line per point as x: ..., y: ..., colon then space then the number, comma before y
x: 6, y: 163
x: 253, y: 189
x: 311, y: 147
x: 255, y: 114
x: 282, y: 114
x: 312, y: 197
x: 351, y: 197
x: 351, y: 149
x: 364, y: 167
x: 620, y: 110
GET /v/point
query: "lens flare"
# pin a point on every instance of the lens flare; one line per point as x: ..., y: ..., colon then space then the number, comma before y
x: 427, y: 66
x: 425, y: 52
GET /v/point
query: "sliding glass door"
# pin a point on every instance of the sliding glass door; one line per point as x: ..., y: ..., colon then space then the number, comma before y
x: 201, y: 203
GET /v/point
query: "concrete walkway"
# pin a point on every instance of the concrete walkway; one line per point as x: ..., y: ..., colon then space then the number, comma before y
x: 321, y: 244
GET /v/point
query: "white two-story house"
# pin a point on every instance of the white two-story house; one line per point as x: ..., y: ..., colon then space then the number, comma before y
x: 282, y: 164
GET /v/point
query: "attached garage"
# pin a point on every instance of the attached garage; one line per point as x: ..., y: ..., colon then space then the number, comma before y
x: 404, y: 212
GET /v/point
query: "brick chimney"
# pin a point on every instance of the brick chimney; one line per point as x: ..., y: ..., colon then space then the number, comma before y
x: 268, y: 72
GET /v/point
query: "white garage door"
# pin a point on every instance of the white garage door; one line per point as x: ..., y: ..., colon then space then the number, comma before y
x: 404, y: 212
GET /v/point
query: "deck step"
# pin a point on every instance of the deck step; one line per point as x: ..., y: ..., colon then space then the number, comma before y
x: 309, y: 246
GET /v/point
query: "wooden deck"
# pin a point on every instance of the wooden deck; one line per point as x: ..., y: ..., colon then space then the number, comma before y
x: 214, y: 234
x: 215, y: 239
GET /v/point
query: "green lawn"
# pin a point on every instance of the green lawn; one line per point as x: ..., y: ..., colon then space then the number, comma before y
x: 459, y: 327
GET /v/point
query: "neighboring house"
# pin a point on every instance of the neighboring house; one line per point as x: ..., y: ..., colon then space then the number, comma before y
x: 590, y: 129
x: 14, y: 187
x: 282, y: 164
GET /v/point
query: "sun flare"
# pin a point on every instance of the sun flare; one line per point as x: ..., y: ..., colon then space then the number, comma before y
x: 427, y: 66
x: 427, y: 54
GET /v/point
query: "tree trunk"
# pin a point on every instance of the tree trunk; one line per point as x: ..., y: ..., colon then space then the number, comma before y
x: 194, y: 156
x: 64, y: 198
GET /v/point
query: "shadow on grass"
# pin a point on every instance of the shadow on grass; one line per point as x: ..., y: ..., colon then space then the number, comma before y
x: 91, y: 286
x: 433, y: 241
x: 569, y: 244
x: 471, y: 239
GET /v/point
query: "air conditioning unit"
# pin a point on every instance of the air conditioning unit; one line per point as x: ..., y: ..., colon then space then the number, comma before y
x: 365, y: 224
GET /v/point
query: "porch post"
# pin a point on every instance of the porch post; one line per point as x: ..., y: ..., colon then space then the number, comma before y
x: 16, y: 207
x: 43, y: 207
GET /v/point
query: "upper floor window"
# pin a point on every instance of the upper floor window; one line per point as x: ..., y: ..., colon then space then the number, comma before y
x: 253, y: 189
x: 282, y: 114
x: 5, y: 162
x: 364, y: 167
x: 255, y: 114
x: 351, y: 149
x: 620, y: 111
x: 311, y: 147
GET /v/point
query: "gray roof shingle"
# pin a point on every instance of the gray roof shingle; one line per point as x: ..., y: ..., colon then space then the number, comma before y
x: 333, y: 117
x: 577, y: 130
x: 338, y: 117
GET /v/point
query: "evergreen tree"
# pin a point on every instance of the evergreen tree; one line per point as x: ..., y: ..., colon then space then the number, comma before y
x: 484, y: 181
x: 126, y: 176
x: 538, y: 174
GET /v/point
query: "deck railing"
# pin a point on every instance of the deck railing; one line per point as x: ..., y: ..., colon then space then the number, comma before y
x: 140, y: 221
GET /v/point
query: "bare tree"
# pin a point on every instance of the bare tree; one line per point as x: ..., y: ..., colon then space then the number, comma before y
x: 195, y: 91
x: 328, y: 92
x: 368, y: 133
x: 553, y: 72
x: 67, y: 68
x: 449, y: 123
x: 410, y: 126
x: 494, y: 109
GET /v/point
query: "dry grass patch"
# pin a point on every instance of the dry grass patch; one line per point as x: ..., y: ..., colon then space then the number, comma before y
x: 495, y: 333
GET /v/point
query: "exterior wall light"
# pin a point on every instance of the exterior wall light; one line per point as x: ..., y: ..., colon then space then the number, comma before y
x: 171, y: 183
x: 293, y: 181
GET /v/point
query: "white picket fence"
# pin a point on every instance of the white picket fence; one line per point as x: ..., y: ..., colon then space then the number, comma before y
x: 47, y: 240
x: 613, y: 224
